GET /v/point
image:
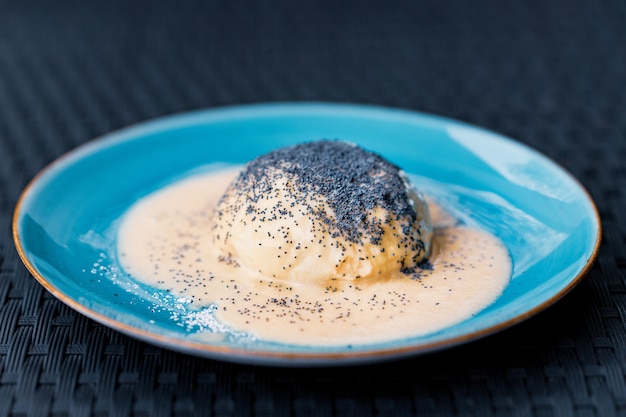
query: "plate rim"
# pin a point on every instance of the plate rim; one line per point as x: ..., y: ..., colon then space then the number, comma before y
x: 270, y: 357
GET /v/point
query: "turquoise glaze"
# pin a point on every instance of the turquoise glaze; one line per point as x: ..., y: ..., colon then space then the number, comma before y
x: 65, y: 222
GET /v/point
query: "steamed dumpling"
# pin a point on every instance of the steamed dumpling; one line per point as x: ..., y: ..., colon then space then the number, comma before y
x: 326, y: 211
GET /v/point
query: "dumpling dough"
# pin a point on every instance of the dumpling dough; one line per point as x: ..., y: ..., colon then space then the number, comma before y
x: 326, y: 212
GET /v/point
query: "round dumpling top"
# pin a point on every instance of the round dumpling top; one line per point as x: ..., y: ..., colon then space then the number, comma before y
x: 326, y: 211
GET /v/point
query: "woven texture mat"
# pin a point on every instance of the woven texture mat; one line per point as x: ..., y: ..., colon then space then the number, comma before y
x: 550, y: 74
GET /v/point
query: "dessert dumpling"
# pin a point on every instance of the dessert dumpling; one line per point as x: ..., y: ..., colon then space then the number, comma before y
x: 325, y: 211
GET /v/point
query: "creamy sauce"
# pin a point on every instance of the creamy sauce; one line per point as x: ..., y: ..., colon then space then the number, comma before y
x: 164, y: 242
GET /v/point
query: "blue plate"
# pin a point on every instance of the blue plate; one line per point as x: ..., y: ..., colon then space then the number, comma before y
x: 65, y: 221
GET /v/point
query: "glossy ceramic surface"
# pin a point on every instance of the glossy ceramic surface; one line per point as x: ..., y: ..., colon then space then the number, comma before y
x: 65, y: 222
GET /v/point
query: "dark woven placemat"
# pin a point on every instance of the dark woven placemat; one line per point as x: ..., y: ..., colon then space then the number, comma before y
x: 548, y: 73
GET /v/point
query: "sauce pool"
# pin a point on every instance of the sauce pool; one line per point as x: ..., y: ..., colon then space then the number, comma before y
x: 164, y: 242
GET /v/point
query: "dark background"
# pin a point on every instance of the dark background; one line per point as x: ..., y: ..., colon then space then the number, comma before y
x: 550, y: 74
